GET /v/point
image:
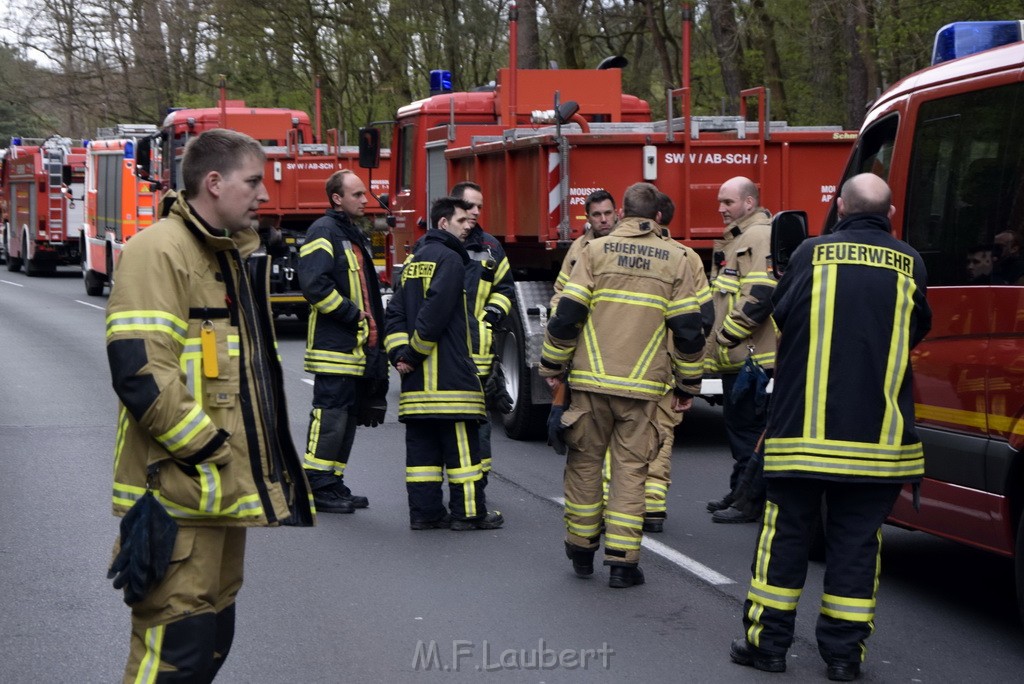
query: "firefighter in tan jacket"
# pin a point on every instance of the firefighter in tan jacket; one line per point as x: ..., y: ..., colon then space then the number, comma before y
x: 628, y: 292
x: 741, y: 290
x: 202, y: 419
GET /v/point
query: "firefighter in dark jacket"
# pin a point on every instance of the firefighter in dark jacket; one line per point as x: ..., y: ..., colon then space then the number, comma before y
x: 202, y: 421
x: 442, y: 402
x: 490, y: 293
x: 343, y: 344
x: 850, y: 307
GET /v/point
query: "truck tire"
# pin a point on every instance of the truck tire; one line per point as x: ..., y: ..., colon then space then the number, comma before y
x: 3, y: 247
x: 93, y: 282
x: 1018, y: 566
x: 13, y: 262
x: 32, y: 267
x: 524, y: 421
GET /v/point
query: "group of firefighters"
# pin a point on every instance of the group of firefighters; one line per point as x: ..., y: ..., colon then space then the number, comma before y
x: 635, y: 325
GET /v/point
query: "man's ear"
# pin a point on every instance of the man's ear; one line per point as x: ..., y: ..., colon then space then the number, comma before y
x: 839, y: 207
x: 212, y: 182
x: 892, y: 211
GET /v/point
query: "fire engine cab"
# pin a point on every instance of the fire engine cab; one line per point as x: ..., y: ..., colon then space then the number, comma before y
x: 120, y: 200
x: 541, y: 140
x: 296, y: 172
x: 42, y: 182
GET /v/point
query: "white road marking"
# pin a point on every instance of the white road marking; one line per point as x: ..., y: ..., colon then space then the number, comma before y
x: 95, y: 306
x: 671, y: 555
x: 8, y: 282
x: 307, y: 381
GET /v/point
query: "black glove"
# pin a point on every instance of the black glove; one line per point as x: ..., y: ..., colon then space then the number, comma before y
x: 147, y: 542
x: 373, y: 402
x: 492, y: 315
x: 496, y: 394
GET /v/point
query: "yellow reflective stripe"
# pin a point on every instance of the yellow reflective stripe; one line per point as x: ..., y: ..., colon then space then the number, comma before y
x: 421, y: 345
x: 592, y: 347
x: 728, y: 284
x: 248, y: 506
x: 735, y: 329
x: 823, y: 299
x: 678, y: 307
x: 587, y: 380
x: 396, y: 340
x: 578, y: 292
x: 147, y: 321
x: 329, y: 303
x: 209, y: 487
x: 580, y: 530
x: 235, y: 345
x: 703, y: 295
x: 188, y: 427
x: 149, y: 666
x: 562, y: 279
x: 423, y: 474
x: 502, y: 270
x: 632, y: 522
x: 846, y: 608
x: 655, y: 488
x: 832, y: 447
x: 501, y: 301
x: 845, y: 467
x: 619, y: 541
x: 309, y: 458
x: 583, y: 509
x: 632, y: 298
x: 757, y: 278
x: 335, y: 356
x: 334, y: 368
x: 780, y: 598
x: 319, y: 243
x: 655, y: 346
x: 122, y: 430
x: 896, y: 363
x: 763, y: 554
x: 558, y: 354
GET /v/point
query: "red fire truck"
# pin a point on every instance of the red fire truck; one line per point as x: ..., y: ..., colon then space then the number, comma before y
x: 42, y: 182
x: 297, y: 168
x: 535, y: 177
x: 120, y: 200
x: 950, y: 142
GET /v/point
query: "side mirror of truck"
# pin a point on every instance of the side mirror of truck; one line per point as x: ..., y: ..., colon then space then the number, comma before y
x: 789, y: 229
x: 369, y: 148
x: 144, y: 158
x: 566, y: 111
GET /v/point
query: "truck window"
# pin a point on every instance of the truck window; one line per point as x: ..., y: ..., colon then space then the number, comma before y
x: 407, y: 155
x: 964, y: 189
x: 873, y: 154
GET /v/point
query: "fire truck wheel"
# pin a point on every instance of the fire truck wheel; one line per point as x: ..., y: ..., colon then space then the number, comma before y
x: 93, y: 282
x: 525, y: 420
x: 13, y: 263
x: 1018, y: 566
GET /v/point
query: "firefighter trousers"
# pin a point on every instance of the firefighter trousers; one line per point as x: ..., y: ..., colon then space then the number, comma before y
x: 432, y: 447
x: 854, y: 513
x: 183, y: 629
x: 626, y: 429
x: 332, y: 429
x: 659, y: 473
x: 743, y: 425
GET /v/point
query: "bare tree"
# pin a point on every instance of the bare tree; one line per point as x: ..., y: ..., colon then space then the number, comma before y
x: 727, y: 46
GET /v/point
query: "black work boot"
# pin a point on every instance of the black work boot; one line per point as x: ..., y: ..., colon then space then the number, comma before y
x: 346, y: 493
x: 654, y: 522
x: 328, y: 500
x: 843, y: 671
x: 491, y: 521
x: 720, y: 504
x: 743, y: 653
x: 582, y: 559
x: 741, y: 511
x: 625, y: 576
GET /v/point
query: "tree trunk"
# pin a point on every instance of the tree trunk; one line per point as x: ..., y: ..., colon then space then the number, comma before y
x: 772, y: 64
x: 528, y: 50
x: 856, y: 69
x: 727, y: 44
x: 660, y: 44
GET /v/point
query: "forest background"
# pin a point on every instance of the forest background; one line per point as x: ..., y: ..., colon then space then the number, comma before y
x: 71, y: 66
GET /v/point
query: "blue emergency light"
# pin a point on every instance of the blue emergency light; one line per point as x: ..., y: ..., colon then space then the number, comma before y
x: 964, y: 38
x: 129, y: 150
x: 440, y: 81
x: 15, y: 141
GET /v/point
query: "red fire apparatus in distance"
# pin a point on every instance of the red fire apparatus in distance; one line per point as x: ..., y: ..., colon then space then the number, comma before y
x: 950, y: 142
x: 120, y: 200
x: 535, y: 177
x: 295, y: 175
x: 41, y: 179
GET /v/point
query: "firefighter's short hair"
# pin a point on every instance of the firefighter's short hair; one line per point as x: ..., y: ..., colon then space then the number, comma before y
x: 336, y: 184
x: 459, y: 189
x: 667, y: 208
x: 641, y: 200
x: 217, y: 150
x: 444, y: 208
x: 597, y: 196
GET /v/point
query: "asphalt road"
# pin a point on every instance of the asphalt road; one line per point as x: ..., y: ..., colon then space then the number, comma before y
x: 363, y: 598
